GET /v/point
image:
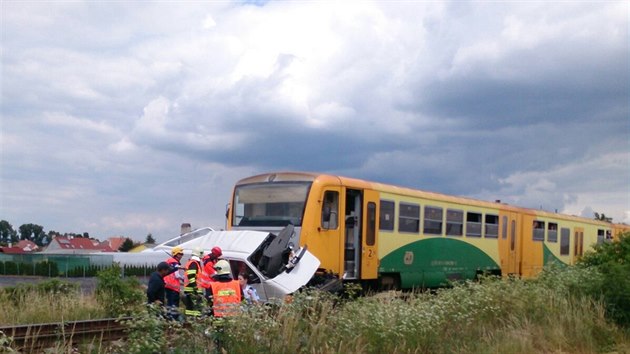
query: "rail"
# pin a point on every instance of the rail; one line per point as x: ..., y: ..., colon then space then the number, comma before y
x: 31, y: 337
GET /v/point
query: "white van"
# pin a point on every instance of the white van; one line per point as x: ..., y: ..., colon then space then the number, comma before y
x: 270, y: 264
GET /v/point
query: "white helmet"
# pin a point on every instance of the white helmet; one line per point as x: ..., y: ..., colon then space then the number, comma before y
x: 197, y: 252
x: 223, y: 267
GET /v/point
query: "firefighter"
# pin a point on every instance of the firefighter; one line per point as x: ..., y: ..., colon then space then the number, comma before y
x: 173, y: 281
x: 193, y: 298
x: 226, y: 292
x: 209, y: 261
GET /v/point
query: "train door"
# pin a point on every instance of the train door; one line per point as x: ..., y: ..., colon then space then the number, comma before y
x: 514, y: 244
x: 352, y: 235
x: 578, y: 243
x: 369, y: 259
x: 329, y: 243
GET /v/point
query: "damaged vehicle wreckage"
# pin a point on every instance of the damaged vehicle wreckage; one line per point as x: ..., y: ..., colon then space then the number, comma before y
x: 271, y: 264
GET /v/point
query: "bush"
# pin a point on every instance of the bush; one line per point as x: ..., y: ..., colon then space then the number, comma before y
x: 84, y: 271
x: 10, y: 268
x: 119, y: 296
x: 43, y: 268
x: 612, y: 261
x: 493, y: 315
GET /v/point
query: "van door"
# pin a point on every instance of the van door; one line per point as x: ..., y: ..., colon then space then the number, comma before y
x: 369, y: 246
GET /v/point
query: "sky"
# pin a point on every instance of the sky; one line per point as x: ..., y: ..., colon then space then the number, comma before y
x: 129, y: 118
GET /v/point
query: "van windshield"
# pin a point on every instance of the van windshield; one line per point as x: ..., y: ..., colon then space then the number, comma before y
x: 270, y: 204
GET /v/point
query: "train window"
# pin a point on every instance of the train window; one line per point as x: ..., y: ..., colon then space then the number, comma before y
x: 388, y: 209
x: 454, y: 222
x: 552, y: 232
x: 473, y: 224
x: 576, y: 241
x: 409, y: 218
x: 565, y: 240
x: 600, y: 236
x: 370, y: 237
x: 538, y: 233
x: 581, y: 246
x: 504, y: 227
x: 433, y: 220
x: 330, y: 210
x: 492, y: 226
x: 608, y: 235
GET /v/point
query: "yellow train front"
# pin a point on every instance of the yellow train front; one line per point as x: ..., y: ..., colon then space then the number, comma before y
x: 395, y: 237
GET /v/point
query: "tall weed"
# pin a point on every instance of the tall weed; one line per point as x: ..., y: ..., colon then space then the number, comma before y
x: 474, y: 317
x: 117, y: 295
x: 50, y: 301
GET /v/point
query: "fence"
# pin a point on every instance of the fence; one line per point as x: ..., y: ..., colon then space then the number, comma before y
x: 51, y: 265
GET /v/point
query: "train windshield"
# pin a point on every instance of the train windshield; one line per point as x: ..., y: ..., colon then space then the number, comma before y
x: 270, y: 204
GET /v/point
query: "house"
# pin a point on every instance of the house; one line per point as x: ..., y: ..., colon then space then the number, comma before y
x: 27, y: 246
x: 115, y: 242
x: 12, y: 250
x: 76, y: 245
x: 141, y: 247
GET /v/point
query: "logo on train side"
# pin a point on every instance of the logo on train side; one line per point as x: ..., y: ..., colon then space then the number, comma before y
x: 408, y: 259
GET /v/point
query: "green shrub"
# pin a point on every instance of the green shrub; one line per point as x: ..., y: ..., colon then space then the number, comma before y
x: 10, y: 268
x: 612, y: 261
x: 119, y: 296
x: 493, y: 315
x: 46, y: 268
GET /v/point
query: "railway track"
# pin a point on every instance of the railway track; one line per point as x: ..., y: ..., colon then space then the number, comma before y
x: 34, y: 337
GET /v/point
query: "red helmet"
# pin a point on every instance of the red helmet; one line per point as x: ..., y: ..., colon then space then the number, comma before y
x: 216, y: 251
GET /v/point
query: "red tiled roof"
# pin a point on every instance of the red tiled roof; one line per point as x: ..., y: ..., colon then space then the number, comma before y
x: 80, y: 243
x: 12, y: 250
x: 27, y: 245
x: 115, y: 242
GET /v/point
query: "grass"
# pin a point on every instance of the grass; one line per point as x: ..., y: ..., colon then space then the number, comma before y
x: 489, y: 317
x: 50, y: 301
x: 549, y: 315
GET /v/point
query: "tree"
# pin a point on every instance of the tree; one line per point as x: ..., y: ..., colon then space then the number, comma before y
x: 86, y: 235
x: 612, y: 259
x: 126, y: 246
x: 149, y: 239
x: 7, y: 233
x: 32, y: 232
x: 602, y: 217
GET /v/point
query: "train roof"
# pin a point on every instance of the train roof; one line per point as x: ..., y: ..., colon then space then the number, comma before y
x: 393, y: 189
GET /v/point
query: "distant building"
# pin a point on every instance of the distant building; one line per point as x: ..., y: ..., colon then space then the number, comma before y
x: 142, y: 247
x: 27, y: 246
x: 11, y: 250
x: 76, y: 245
x: 115, y: 242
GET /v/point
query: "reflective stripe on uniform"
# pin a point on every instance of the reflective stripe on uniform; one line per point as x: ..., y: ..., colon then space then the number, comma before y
x: 191, y: 273
x: 192, y: 313
x: 226, y: 297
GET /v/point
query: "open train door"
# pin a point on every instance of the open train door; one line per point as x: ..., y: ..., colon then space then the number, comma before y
x: 369, y: 246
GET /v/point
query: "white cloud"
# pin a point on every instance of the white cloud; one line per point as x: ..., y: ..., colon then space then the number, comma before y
x: 68, y: 121
x: 598, y: 183
x: 208, y: 22
x: 151, y: 111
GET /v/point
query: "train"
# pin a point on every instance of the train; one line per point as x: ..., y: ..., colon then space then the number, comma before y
x: 400, y: 238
